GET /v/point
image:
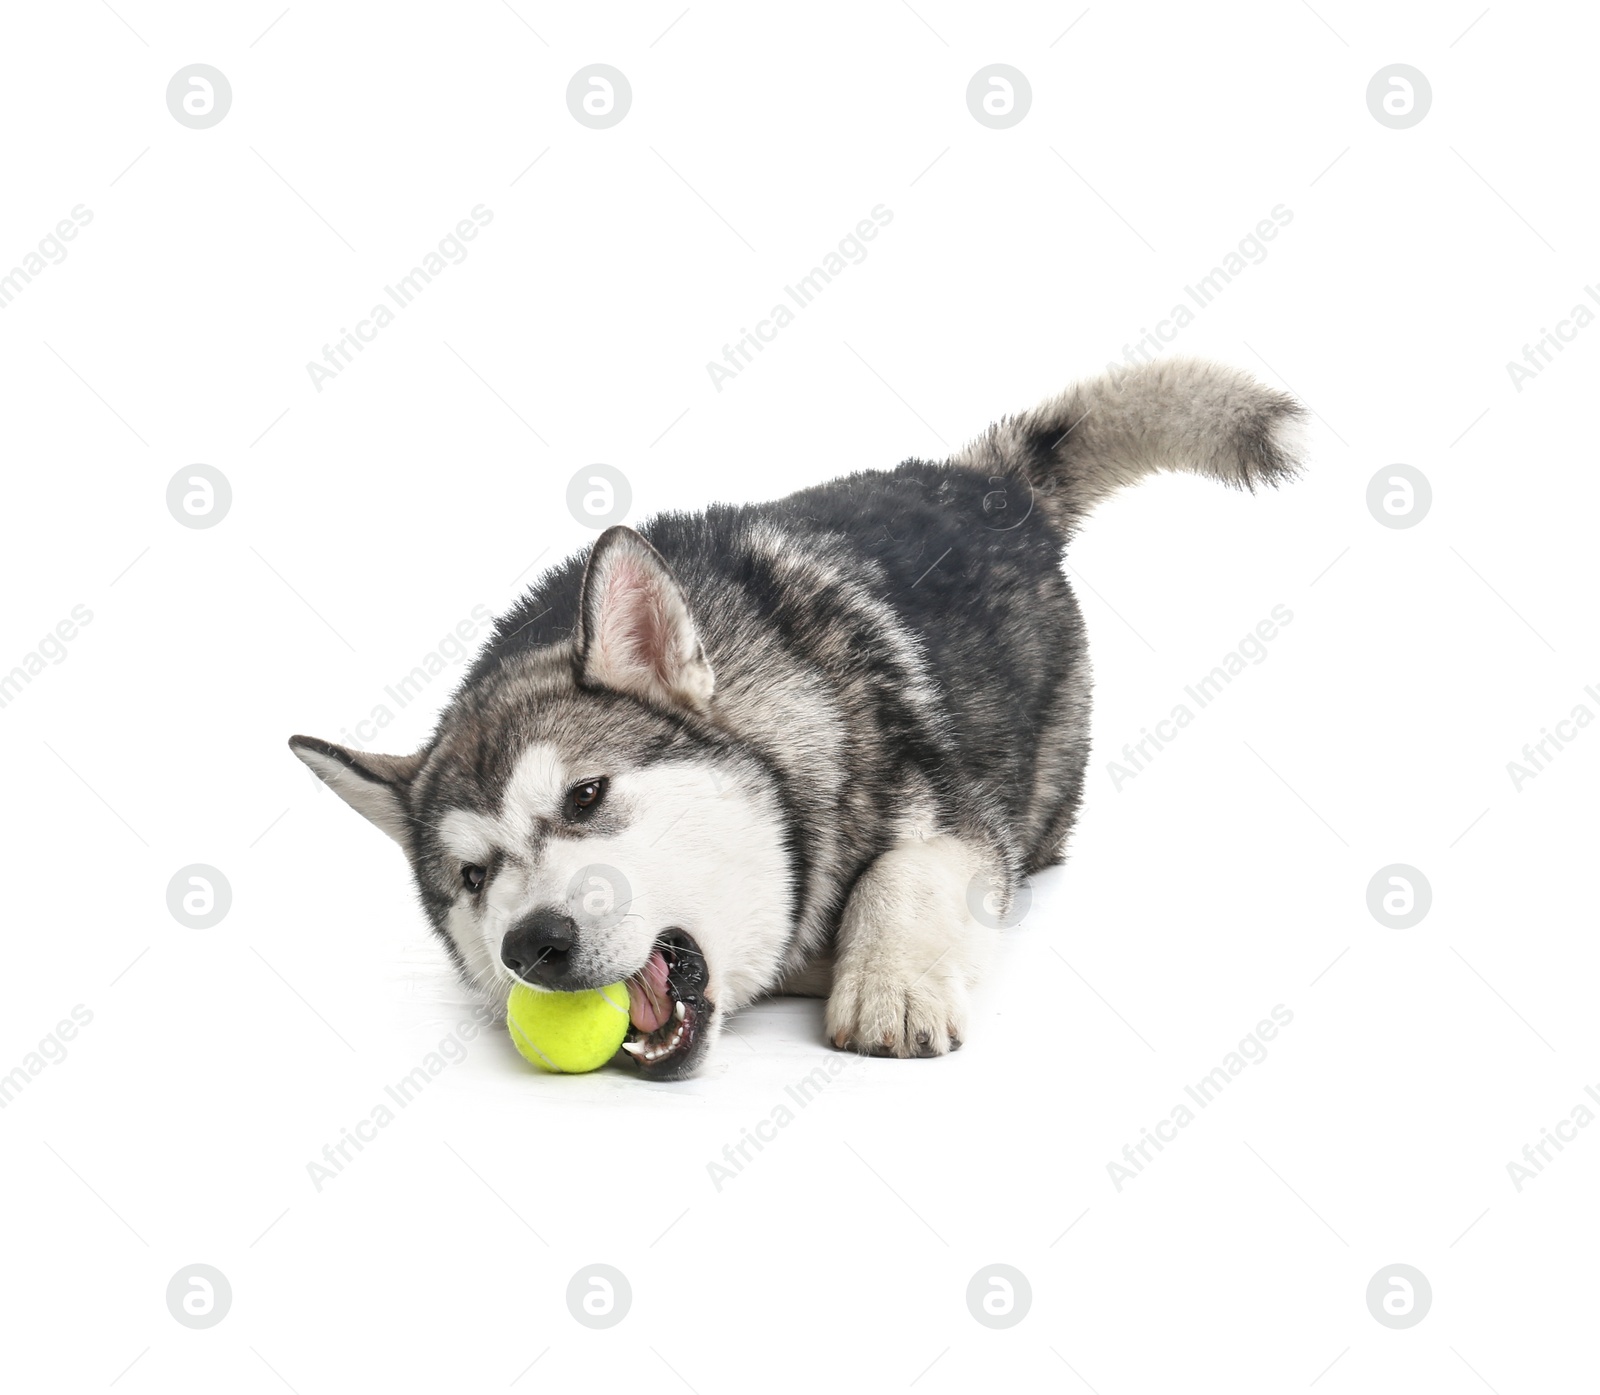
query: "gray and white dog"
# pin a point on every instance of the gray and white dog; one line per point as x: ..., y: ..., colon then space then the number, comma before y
x: 805, y: 746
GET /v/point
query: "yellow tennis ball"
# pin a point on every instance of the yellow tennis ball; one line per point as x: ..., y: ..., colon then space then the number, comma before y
x: 568, y: 1032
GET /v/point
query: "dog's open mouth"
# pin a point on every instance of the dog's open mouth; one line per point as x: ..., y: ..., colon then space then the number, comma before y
x: 668, y: 1010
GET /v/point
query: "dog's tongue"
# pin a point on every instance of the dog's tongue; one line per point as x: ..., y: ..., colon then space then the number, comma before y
x: 649, y: 999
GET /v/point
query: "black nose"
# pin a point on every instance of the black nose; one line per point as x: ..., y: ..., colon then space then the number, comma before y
x: 538, y: 947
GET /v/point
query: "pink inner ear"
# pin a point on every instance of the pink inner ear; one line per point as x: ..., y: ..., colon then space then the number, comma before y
x: 634, y: 630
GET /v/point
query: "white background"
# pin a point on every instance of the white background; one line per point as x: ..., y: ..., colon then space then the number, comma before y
x: 369, y: 518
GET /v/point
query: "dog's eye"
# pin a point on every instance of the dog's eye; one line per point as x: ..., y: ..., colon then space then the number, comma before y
x: 472, y: 878
x: 582, y: 799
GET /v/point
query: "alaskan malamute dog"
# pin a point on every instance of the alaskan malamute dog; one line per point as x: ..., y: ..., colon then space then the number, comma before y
x: 807, y: 746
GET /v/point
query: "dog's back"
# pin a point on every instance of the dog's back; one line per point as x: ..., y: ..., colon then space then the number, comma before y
x: 923, y: 608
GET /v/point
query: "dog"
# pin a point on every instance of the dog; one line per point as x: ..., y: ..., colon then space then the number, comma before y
x: 810, y: 746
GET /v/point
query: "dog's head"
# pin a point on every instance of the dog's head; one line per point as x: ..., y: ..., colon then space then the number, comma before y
x: 582, y: 817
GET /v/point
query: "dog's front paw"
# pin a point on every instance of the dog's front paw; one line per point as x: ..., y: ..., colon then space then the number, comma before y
x: 897, y: 1012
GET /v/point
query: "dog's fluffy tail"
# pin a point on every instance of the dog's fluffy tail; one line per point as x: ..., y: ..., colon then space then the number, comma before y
x: 1173, y: 414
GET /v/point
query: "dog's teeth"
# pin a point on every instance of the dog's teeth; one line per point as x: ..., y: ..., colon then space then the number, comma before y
x: 678, y: 1011
x: 648, y: 1051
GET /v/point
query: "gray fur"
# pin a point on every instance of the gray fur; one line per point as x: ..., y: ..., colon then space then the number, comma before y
x: 830, y: 725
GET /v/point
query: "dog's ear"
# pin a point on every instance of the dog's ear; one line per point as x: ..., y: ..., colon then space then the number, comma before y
x: 374, y: 786
x: 635, y: 634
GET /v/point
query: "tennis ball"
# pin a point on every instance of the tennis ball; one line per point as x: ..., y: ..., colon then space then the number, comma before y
x: 568, y: 1032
